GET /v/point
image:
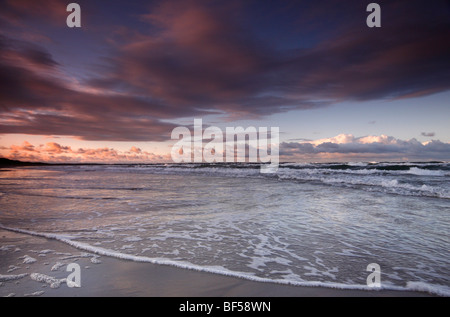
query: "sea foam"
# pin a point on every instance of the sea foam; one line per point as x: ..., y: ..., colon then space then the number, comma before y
x: 411, y: 286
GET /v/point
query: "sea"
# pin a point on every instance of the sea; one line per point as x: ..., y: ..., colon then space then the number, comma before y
x: 307, y: 224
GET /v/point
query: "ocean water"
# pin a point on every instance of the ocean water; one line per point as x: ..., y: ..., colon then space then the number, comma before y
x: 307, y: 224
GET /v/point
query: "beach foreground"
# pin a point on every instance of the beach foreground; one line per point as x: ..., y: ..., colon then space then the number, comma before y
x: 106, y: 276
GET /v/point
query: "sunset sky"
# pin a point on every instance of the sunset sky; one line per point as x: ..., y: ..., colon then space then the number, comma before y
x: 114, y: 89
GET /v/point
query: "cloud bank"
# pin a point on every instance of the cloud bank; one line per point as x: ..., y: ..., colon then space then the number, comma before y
x: 56, y: 153
x: 343, y: 147
x: 194, y: 58
x: 347, y: 146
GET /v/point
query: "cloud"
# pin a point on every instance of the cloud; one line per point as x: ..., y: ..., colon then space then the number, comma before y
x: 57, y: 153
x: 194, y: 58
x: 202, y: 58
x: 38, y: 99
x: 25, y: 147
x: 347, y: 146
x: 135, y: 150
x: 344, y: 147
x: 53, y: 147
x: 19, y: 11
x: 428, y: 134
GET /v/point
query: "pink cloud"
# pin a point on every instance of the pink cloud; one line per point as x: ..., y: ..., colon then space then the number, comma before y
x: 25, y: 147
x: 53, y: 147
x: 135, y: 150
x: 57, y: 153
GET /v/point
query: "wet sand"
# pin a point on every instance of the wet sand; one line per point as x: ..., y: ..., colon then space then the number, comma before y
x: 108, y: 277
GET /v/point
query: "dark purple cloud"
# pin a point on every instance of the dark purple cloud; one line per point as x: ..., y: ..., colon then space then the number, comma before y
x: 201, y: 57
x: 183, y: 59
x: 18, y: 12
x: 37, y: 99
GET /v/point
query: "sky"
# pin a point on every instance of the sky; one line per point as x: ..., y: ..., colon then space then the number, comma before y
x: 114, y: 89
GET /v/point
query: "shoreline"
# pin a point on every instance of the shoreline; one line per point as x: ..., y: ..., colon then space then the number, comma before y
x: 104, y: 276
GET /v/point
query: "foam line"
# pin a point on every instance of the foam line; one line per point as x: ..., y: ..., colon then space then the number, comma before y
x: 411, y: 286
x: 6, y: 278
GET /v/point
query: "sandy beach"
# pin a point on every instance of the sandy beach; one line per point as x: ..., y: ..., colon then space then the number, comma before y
x: 23, y: 255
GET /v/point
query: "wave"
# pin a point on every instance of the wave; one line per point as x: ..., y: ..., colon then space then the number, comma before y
x: 427, y: 179
x: 440, y: 290
x: 407, y: 182
x: 427, y: 172
x: 420, y: 169
x: 66, y: 197
x: 12, y: 277
x: 370, y: 182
